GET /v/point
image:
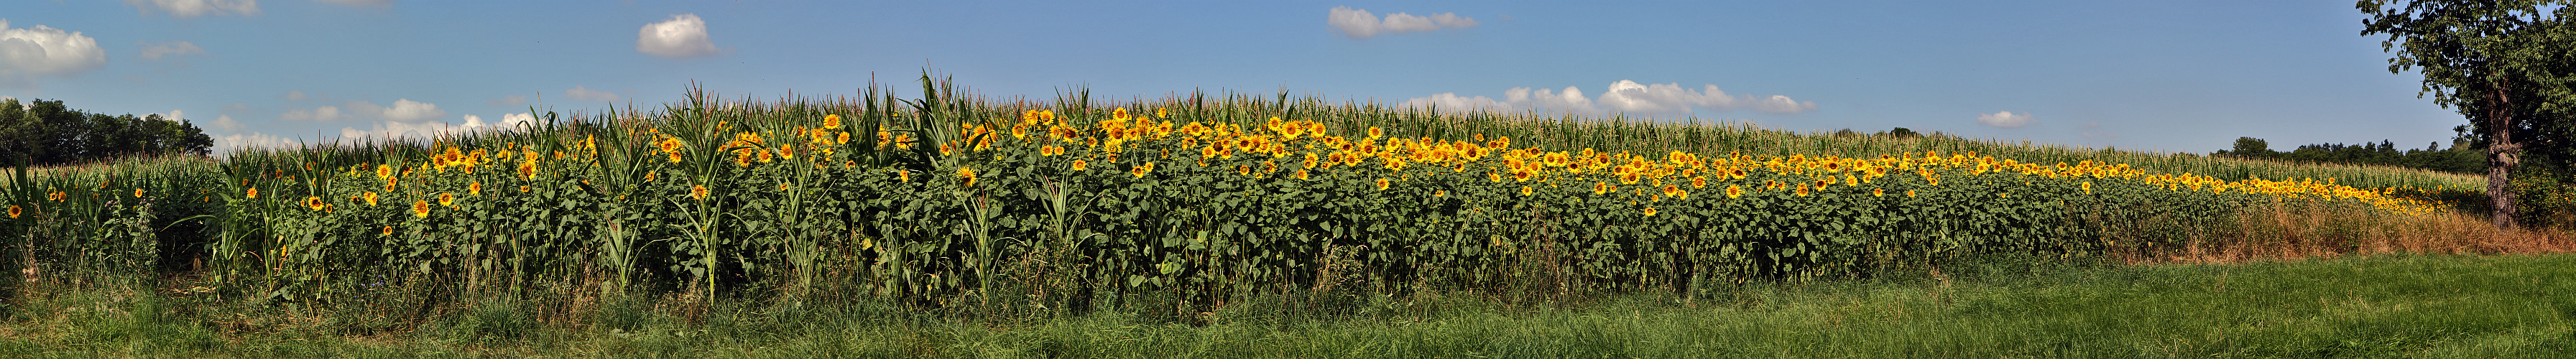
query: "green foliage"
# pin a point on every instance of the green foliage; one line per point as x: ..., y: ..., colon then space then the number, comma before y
x: 46, y: 133
x: 2457, y: 159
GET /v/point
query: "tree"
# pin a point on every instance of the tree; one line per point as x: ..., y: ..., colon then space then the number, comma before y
x: 2251, y: 147
x: 47, y: 133
x: 2503, y: 64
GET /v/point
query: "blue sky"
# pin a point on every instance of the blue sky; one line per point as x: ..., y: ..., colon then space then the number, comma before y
x: 2187, y: 76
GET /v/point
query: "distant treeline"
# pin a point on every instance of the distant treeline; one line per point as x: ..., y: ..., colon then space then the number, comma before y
x: 2460, y: 158
x: 46, y: 133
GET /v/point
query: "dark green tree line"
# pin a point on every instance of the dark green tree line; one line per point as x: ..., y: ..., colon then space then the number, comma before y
x: 2459, y: 158
x: 47, y: 133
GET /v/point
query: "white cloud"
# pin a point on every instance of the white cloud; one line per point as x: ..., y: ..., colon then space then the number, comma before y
x: 195, y: 8
x: 473, y: 122
x: 2005, y: 119
x: 399, y: 130
x: 511, y: 100
x: 226, y: 124
x: 174, y: 115
x: 294, y: 95
x: 173, y: 48
x: 39, y: 50
x: 516, y: 119
x: 1782, y: 104
x: 319, y: 114
x: 239, y: 141
x: 1623, y: 96
x: 586, y: 94
x: 1360, y: 24
x: 1452, y: 20
x: 368, y: 3
x: 402, y: 110
x: 683, y: 35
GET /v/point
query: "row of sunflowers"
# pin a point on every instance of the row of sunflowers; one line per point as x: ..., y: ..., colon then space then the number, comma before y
x: 936, y: 203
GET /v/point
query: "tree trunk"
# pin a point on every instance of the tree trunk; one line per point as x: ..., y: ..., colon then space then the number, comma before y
x: 2503, y: 153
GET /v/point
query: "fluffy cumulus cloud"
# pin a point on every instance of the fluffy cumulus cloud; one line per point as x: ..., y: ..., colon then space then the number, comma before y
x: 400, y: 110
x: 508, y: 122
x: 683, y: 35
x: 226, y: 124
x: 586, y: 94
x: 2005, y: 119
x: 170, y: 50
x: 516, y: 119
x: 45, y: 51
x: 195, y: 8
x: 317, y: 114
x: 1360, y: 24
x: 248, y: 140
x: 1624, y: 96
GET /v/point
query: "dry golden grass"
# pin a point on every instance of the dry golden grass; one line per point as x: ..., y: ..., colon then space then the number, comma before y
x: 2280, y: 232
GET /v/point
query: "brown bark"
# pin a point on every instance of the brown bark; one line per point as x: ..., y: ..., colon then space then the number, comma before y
x: 2502, y: 155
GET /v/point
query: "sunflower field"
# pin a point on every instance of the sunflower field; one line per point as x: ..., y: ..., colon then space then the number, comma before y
x: 951, y: 201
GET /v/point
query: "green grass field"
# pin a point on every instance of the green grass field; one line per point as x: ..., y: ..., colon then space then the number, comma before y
x: 2384, y: 306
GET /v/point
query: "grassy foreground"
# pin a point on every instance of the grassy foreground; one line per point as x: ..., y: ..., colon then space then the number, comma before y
x: 2382, y: 306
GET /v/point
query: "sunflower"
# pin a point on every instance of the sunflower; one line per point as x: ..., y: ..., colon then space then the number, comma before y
x: 1079, y: 165
x: 447, y: 199
x: 253, y: 193
x: 1802, y: 190
x: 1381, y: 184
x: 1699, y: 182
x: 698, y: 192
x: 1600, y: 187
x: 1650, y: 211
x: 475, y: 188
x: 370, y: 196
x: 14, y: 211
x: 1301, y: 174
x: 1526, y: 190
x: 1878, y: 192
x: 138, y: 193
x: 1440, y: 193
x: 420, y: 209
x: 1734, y: 191
x: 2088, y: 187
x: 1909, y: 193
x: 967, y: 174
x: 389, y: 230
x: 832, y: 121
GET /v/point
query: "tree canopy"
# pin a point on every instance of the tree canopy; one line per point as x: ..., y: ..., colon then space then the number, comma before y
x: 2506, y: 65
x: 47, y: 133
